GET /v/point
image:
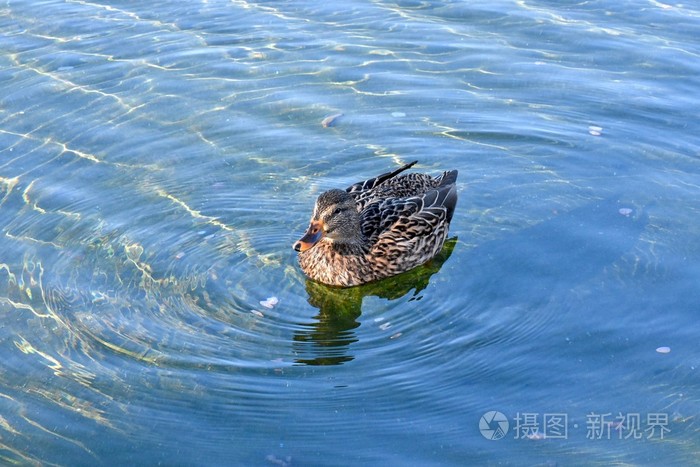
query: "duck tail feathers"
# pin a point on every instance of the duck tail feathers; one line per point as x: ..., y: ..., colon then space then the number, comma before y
x: 448, y: 177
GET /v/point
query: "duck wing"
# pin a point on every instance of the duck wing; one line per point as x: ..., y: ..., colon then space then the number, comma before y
x: 397, y: 185
x: 408, y: 225
x: 366, y: 185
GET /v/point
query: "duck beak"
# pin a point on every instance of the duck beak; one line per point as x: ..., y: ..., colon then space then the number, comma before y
x: 311, y: 237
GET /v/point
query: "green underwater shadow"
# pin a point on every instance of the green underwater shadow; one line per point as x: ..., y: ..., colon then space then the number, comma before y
x: 326, y: 341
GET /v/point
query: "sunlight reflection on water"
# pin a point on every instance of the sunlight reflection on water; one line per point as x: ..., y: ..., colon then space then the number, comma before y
x: 159, y: 159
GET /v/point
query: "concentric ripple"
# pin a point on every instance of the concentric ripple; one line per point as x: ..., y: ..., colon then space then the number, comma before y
x: 159, y: 159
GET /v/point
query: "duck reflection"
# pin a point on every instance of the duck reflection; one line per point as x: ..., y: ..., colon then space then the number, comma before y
x: 528, y: 269
x: 326, y: 341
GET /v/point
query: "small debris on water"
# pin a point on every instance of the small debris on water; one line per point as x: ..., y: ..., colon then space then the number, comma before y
x: 180, y: 255
x: 272, y: 459
x: 257, y: 313
x: 677, y: 417
x: 396, y: 336
x: 626, y: 211
x: 330, y: 120
x: 595, y: 130
x: 384, y: 326
x: 398, y: 114
x: 270, y: 302
x: 663, y: 349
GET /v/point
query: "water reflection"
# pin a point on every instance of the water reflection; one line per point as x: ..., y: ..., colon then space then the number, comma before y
x: 327, y: 340
x: 519, y: 273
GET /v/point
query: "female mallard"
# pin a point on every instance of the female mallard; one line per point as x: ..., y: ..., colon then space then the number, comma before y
x: 377, y: 228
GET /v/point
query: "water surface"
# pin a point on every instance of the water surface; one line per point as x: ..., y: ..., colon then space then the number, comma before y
x: 158, y: 160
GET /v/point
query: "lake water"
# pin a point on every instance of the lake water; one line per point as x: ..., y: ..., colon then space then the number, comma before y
x: 158, y: 160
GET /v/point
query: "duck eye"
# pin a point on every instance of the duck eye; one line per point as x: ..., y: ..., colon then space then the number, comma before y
x: 336, y: 211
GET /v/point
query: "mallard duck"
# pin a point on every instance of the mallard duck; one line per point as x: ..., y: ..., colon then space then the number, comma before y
x: 377, y: 228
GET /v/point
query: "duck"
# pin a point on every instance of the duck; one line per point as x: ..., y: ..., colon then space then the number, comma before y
x: 378, y: 227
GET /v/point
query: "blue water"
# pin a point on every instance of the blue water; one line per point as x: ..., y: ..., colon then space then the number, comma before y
x: 159, y: 159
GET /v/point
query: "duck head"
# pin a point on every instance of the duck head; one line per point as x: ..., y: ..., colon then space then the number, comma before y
x: 335, y: 219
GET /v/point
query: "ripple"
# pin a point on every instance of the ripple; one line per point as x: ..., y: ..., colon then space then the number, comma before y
x: 159, y: 160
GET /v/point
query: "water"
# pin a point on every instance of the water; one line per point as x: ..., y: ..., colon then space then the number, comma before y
x: 158, y: 160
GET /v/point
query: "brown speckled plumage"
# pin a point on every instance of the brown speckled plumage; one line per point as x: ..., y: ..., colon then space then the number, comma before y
x: 378, y: 228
